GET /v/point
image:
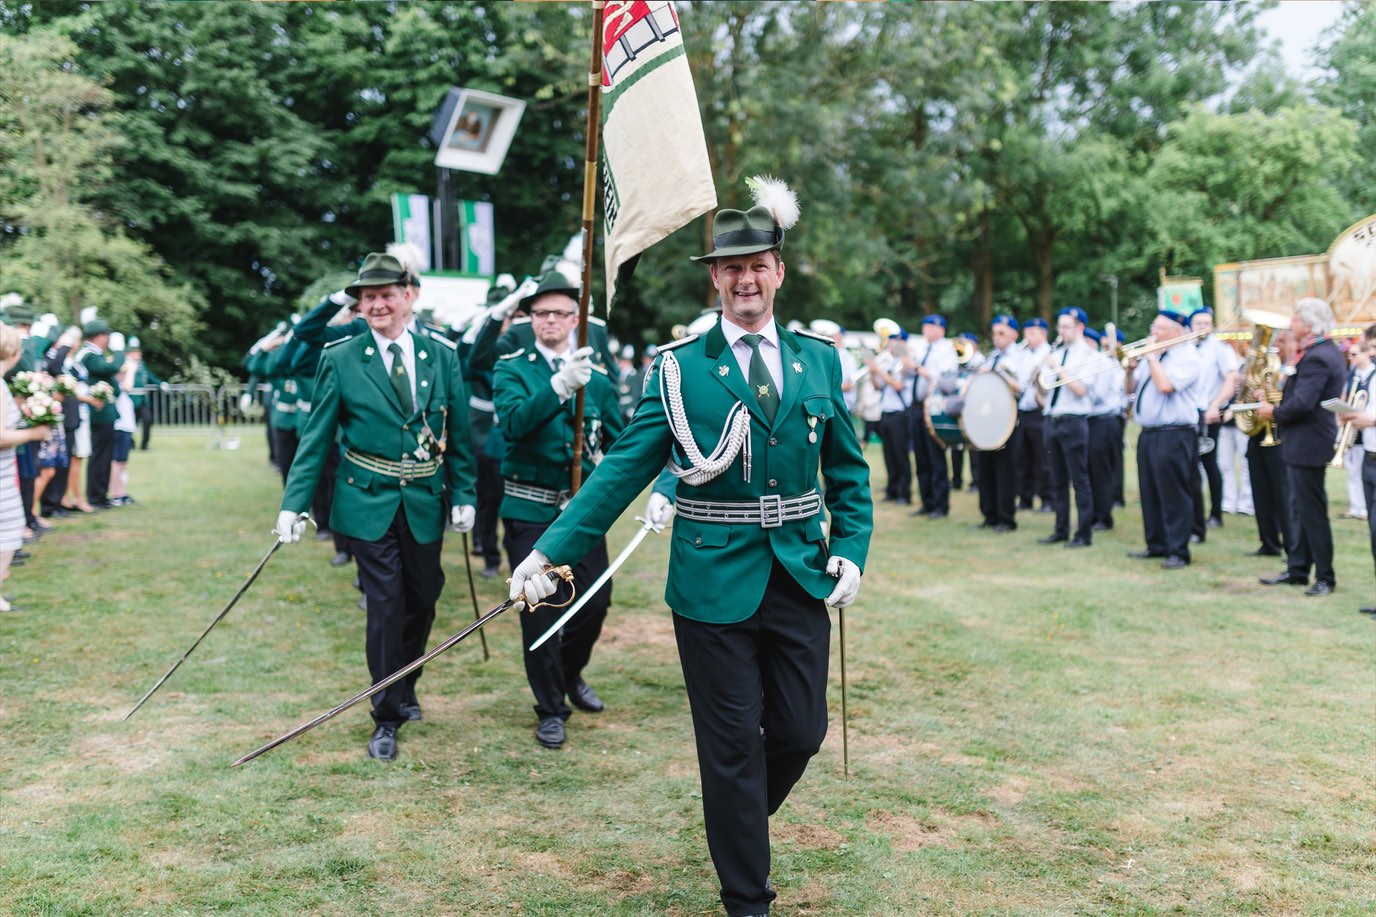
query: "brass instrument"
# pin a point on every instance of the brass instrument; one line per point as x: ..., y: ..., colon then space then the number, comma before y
x: 1262, y: 373
x: 965, y: 350
x: 1347, y: 433
x: 1048, y: 380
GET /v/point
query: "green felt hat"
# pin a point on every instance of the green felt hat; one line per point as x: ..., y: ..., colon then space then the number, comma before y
x: 19, y: 314
x: 743, y: 232
x: 553, y: 282
x: 96, y: 326
x: 379, y: 269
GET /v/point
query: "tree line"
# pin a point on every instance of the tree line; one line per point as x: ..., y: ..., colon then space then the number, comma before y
x: 194, y: 170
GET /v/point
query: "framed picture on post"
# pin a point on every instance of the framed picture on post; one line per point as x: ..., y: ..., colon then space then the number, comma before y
x: 473, y: 130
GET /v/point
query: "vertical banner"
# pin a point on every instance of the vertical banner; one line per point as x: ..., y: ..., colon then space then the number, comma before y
x: 411, y: 223
x: 477, y: 241
x: 1180, y: 294
x: 657, y: 177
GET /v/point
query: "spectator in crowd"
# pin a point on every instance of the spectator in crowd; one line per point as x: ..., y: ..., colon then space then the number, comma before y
x: 144, y: 378
x: 11, y: 503
x: 126, y: 425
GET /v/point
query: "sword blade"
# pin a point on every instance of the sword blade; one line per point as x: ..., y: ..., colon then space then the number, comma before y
x: 473, y: 592
x: 380, y: 686
x: 845, y: 719
x: 218, y: 618
x: 596, y: 585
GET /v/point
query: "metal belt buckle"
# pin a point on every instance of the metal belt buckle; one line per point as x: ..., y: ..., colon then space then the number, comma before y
x: 771, y: 511
x: 406, y: 468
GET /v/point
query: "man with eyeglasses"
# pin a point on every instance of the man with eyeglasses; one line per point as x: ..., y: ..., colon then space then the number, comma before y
x: 534, y: 394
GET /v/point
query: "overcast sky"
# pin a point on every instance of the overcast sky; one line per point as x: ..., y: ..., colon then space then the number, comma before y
x: 1297, y: 24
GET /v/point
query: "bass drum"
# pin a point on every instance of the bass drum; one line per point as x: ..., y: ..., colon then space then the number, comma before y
x: 990, y: 412
x: 941, y: 423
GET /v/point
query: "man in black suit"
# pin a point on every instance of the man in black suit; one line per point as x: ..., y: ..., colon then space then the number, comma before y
x: 1307, y: 433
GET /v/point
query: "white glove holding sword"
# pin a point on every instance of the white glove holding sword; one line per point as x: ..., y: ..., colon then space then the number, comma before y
x: 529, y: 580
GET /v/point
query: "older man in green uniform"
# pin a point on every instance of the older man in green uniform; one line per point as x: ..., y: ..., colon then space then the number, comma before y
x: 750, y: 563
x: 397, y: 400
x: 534, y: 395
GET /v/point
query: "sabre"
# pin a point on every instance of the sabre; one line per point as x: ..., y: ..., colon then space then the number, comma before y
x: 646, y: 528
x: 845, y: 720
x: 563, y: 573
x: 473, y: 592
x: 242, y: 589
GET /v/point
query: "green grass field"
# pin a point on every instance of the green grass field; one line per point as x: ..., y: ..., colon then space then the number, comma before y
x: 1033, y: 731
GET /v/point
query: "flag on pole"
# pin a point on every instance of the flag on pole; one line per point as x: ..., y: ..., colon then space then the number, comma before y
x: 656, y: 175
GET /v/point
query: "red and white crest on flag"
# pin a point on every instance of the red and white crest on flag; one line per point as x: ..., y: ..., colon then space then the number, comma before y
x: 634, y: 32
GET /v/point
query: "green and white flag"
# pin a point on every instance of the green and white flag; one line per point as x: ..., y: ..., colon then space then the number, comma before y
x: 411, y: 223
x: 477, y: 243
x: 656, y: 175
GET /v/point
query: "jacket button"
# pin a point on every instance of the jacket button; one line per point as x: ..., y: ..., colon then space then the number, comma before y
x: 773, y: 441
x: 351, y: 480
x: 773, y: 483
x: 697, y: 540
x: 403, y: 483
x: 406, y: 426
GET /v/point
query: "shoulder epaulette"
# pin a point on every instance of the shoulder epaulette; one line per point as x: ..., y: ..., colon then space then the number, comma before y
x: 597, y: 321
x: 513, y: 355
x: 339, y: 341
x: 809, y: 333
x: 438, y: 337
x: 601, y: 369
x: 525, y: 320
x: 679, y: 343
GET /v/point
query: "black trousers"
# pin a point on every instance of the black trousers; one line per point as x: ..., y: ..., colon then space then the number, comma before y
x: 1369, y: 489
x: 998, y: 482
x: 490, y: 489
x: 893, y: 436
x: 1313, y: 547
x: 1165, y: 464
x: 145, y: 416
x: 757, y: 691
x: 1119, y: 443
x: 98, y: 465
x: 1270, y: 495
x: 1034, y: 474
x: 558, y: 665
x: 1212, y: 475
x: 1104, y: 446
x: 402, y: 580
x: 933, y: 480
x: 1067, y: 451
x: 284, y: 445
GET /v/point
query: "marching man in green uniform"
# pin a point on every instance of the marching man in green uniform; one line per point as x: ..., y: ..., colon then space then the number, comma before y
x: 534, y: 393
x: 748, y: 416
x: 398, y: 402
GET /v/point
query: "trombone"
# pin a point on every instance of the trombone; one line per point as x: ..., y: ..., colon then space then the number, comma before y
x: 1347, y: 433
x: 1048, y: 379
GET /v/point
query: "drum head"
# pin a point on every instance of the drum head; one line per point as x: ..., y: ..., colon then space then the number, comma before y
x: 943, y: 427
x: 991, y: 412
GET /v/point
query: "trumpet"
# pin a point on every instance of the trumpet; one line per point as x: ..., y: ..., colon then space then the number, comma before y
x: 1048, y: 379
x: 1347, y: 433
x: 965, y: 350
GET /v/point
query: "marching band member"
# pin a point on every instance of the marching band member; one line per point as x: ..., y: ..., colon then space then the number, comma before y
x: 1358, y: 380
x: 1365, y: 422
x: 1266, y: 467
x: 1105, y: 431
x: 893, y: 380
x: 851, y: 370
x: 998, y: 470
x: 1067, y: 430
x: 1165, y: 405
x: 936, y: 357
x: 969, y: 360
x: 1307, y: 433
x: 750, y: 565
x: 1232, y: 453
x: 1218, y: 383
x: 1034, y: 474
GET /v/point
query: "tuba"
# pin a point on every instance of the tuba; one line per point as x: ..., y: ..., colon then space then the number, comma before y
x: 1261, y: 372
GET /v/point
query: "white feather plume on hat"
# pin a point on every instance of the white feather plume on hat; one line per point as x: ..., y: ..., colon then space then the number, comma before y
x: 411, y: 258
x: 775, y: 195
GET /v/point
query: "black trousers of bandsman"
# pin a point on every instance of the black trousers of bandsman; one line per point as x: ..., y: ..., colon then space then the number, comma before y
x: 1105, y: 463
x: 1313, y: 545
x: 1270, y: 496
x: 998, y: 482
x: 1165, y: 464
x: 894, y: 434
x: 1034, y: 474
x: 929, y: 455
x: 1067, y: 448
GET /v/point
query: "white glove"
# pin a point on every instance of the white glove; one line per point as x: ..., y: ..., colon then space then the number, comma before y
x: 289, y: 527
x: 573, y: 375
x: 659, y: 510
x: 341, y: 299
x: 463, y: 517
x: 116, y: 341
x: 245, y: 402
x: 502, y: 311
x: 848, y: 582
x: 529, y: 579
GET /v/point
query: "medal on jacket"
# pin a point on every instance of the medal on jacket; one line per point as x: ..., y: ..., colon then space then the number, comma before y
x: 812, y: 425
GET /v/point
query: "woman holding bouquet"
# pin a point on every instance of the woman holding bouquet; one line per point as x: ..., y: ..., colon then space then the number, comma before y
x: 52, y: 452
x: 11, y: 503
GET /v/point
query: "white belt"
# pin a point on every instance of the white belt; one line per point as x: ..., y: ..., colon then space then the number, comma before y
x: 545, y: 495
x: 770, y: 511
x: 481, y: 404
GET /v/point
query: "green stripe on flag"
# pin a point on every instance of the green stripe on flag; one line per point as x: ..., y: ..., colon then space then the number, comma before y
x: 609, y: 97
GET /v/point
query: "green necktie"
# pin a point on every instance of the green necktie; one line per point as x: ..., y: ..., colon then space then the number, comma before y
x: 761, y: 383
x: 400, y: 384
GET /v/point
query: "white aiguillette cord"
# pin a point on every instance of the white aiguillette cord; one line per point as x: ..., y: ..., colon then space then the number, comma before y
x: 735, y: 435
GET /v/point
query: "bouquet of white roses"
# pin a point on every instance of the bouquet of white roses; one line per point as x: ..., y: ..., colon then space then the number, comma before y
x: 31, y: 383
x: 65, y: 385
x: 104, y: 391
x: 41, y: 409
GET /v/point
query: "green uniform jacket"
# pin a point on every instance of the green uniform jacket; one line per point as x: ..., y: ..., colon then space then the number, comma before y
x: 277, y: 365
x: 521, y: 335
x: 143, y: 378
x: 538, y: 430
x: 718, y: 572
x: 103, y: 367
x: 354, y: 397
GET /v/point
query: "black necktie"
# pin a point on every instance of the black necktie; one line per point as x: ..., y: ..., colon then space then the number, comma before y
x: 400, y: 383
x: 1065, y: 352
x: 761, y: 382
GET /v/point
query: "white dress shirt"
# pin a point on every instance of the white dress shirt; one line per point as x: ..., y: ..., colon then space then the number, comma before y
x: 408, y: 356
x: 769, y: 349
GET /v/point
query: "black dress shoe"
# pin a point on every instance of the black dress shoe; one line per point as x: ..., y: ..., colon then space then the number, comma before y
x: 1101, y: 527
x: 1174, y: 563
x: 937, y: 514
x: 1143, y: 555
x: 1320, y: 587
x: 1052, y: 539
x: 1285, y: 579
x: 1005, y: 527
x: 1077, y: 543
x: 920, y: 511
x: 550, y: 732
x: 340, y: 559
x: 491, y: 571
x: 582, y: 696
x: 1214, y: 523
x: 21, y: 554
x: 410, y: 711
x: 1368, y: 609
x: 986, y: 524
x: 383, y: 744
x: 1264, y: 552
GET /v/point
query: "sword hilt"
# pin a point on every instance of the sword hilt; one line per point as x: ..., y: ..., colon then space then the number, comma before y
x: 299, y: 517
x: 563, y: 572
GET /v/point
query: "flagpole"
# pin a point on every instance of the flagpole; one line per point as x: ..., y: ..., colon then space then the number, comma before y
x: 589, y: 212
